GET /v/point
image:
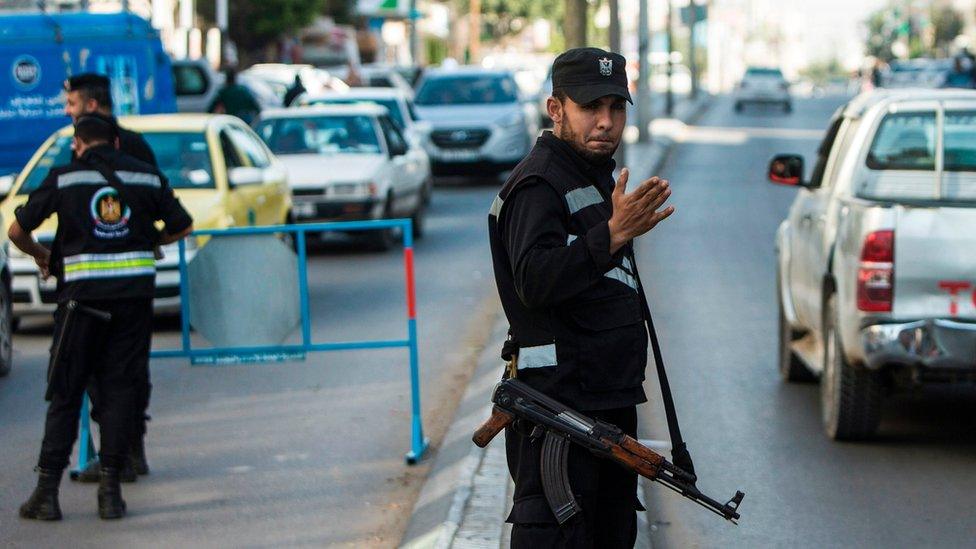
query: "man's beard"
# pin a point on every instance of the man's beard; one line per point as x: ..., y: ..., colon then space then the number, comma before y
x: 567, y: 134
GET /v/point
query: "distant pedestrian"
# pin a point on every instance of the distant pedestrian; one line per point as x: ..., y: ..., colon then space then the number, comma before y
x: 235, y: 99
x: 294, y: 91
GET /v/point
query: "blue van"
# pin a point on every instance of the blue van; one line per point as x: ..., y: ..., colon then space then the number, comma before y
x: 39, y: 51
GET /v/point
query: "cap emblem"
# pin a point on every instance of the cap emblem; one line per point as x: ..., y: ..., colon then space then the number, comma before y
x: 606, y: 67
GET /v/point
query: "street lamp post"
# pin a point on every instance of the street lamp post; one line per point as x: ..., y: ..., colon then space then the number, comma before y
x: 669, y: 93
x: 644, y: 73
x: 692, y: 60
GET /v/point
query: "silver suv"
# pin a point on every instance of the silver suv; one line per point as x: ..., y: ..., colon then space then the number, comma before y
x: 876, y: 270
x: 479, y: 121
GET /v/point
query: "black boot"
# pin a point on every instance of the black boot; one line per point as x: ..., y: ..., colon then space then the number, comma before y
x: 110, y: 503
x: 93, y: 473
x: 137, y: 457
x: 43, y: 503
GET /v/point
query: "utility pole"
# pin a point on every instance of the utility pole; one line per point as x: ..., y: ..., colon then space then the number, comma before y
x: 644, y: 72
x: 692, y: 57
x: 221, y: 13
x: 621, y: 154
x: 414, y: 34
x: 669, y: 94
x: 474, y: 31
x: 575, y: 23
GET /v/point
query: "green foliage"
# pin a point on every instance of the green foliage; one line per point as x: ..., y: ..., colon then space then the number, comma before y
x: 947, y: 24
x: 500, y: 18
x: 823, y: 71
x: 253, y: 24
x: 880, y: 36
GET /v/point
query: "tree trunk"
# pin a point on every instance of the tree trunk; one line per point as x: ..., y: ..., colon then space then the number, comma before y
x: 575, y: 23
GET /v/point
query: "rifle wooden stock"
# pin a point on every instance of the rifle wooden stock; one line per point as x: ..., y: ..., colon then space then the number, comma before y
x: 499, y: 420
x: 635, y: 456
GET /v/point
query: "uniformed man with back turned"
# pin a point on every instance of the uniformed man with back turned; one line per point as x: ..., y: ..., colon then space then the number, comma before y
x: 107, y: 205
x: 561, y: 232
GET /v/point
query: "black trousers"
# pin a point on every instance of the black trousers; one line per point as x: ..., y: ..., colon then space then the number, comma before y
x: 606, y: 491
x: 143, y: 390
x: 107, y: 354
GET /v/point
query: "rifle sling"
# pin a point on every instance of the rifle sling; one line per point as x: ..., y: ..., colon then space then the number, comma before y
x: 679, y: 451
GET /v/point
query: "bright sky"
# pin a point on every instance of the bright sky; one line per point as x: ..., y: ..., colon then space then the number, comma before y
x: 830, y: 25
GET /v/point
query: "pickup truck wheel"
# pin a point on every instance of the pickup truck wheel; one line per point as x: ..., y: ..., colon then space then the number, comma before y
x: 791, y: 368
x: 382, y: 240
x: 850, y: 396
x: 6, y: 330
x: 419, y: 218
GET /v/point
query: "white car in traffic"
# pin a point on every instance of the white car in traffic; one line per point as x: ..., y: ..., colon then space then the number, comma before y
x: 348, y: 163
x: 481, y: 123
x: 763, y: 85
x: 401, y: 109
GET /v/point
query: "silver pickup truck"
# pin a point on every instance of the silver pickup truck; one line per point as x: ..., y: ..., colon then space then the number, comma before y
x: 877, y: 258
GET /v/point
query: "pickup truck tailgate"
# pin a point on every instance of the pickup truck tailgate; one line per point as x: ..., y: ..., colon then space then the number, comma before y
x: 935, y: 263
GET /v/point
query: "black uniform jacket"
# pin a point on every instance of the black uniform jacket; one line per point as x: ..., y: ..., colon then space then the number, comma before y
x: 103, y: 248
x: 134, y: 144
x: 573, y: 308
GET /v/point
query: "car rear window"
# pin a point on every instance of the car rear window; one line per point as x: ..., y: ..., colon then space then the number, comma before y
x: 184, y: 159
x: 390, y: 104
x: 907, y: 141
x: 321, y: 135
x: 905, y: 148
x: 766, y: 73
x: 467, y: 90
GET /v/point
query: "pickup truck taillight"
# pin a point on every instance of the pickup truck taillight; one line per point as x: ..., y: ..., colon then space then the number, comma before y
x: 876, y: 275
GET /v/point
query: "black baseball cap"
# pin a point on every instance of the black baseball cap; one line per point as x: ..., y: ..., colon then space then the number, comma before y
x: 587, y: 74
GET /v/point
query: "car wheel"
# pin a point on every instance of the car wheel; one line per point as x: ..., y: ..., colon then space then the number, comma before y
x: 428, y: 190
x: 382, y: 240
x: 850, y: 395
x: 6, y: 330
x: 791, y: 368
x: 419, y: 218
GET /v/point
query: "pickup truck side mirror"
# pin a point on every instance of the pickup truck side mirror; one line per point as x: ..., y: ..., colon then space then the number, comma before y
x: 786, y: 169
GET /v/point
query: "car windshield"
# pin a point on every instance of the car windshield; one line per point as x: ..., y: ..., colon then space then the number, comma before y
x: 764, y: 73
x: 321, y: 134
x: 184, y: 159
x: 390, y: 104
x: 467, y: 90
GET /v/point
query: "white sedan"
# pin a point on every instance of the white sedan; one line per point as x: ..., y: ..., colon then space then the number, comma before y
x: 348, y: 163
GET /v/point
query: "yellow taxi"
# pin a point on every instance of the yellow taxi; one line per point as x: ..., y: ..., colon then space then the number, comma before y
x: 221, y: 171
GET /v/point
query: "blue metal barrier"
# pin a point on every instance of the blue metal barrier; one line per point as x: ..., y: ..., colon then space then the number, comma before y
x: 219, y: 355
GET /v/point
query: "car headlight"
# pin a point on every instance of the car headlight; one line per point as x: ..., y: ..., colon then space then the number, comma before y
x: 512, y: 120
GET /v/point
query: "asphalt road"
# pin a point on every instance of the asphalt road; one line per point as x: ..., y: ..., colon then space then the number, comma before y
x: 710, y: 275
x: 299, y: 454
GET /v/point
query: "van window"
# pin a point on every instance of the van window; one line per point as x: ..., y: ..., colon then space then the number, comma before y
x: 190, y: 80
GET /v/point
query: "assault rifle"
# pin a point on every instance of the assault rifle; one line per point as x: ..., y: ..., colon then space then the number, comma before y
x: 514, y: 399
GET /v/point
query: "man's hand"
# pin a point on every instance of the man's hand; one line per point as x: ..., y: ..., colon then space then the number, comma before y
x: 44, y: 263
x: 636, y: 213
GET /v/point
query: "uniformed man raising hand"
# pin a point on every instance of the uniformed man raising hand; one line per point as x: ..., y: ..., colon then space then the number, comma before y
x: 107, y: 204
x: 561, y: 232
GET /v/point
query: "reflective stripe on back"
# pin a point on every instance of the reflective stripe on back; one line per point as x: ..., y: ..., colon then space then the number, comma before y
x: 88, y: 266
x: 82, y: 177
x: 139, y: 178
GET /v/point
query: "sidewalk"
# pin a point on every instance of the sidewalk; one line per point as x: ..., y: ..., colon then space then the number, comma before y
x: 467, y: 495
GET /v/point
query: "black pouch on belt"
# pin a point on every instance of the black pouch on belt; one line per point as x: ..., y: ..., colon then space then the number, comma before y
x: 57, y: 374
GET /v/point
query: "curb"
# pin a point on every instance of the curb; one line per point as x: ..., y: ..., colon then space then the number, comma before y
x: 478, y: 484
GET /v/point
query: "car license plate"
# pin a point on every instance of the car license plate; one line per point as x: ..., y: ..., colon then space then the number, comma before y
x: 462, y: 155
x: 303, y: 209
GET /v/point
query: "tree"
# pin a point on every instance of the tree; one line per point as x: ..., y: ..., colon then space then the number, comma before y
x: 881, y: 36
x: 947, y: 24
x: 253, y: 24
x: 505, y: 17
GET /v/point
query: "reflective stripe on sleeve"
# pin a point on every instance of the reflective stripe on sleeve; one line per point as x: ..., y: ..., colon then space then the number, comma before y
x: 541, y: 356
x: 496, y: 207
x: 82, y: 177
x: 577, y: 199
